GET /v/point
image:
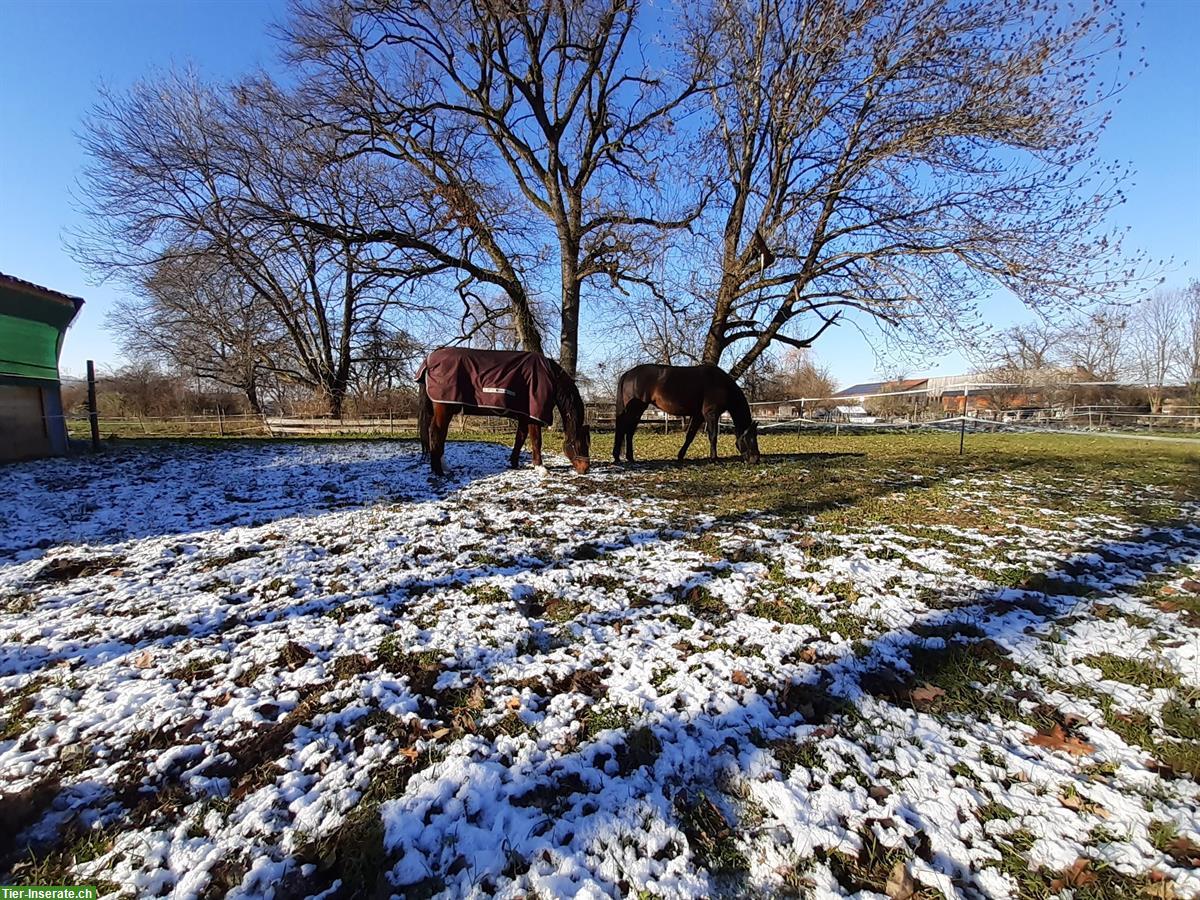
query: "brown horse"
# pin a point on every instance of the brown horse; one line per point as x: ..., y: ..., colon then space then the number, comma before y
x: 700, y: 392
x: 522, y: 386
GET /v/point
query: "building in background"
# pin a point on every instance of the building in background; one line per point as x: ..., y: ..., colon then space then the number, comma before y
x: 33, y: 320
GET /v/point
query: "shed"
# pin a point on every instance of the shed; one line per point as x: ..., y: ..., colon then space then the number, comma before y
x: 33, y: 320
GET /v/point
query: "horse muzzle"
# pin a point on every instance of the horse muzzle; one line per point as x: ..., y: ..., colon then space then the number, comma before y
x: 581, y: 464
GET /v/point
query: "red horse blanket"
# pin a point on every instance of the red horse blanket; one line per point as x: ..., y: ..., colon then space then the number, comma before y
x: 509, y: 382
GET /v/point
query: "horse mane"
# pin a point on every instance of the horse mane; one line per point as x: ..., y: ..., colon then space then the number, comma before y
x: 739, y: 407
x: 568, y: 400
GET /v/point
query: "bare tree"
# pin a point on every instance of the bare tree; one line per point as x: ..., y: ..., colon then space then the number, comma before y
x: 1091, y: 346
x: 179, y: 171
x: 1155, y: 342
x: 195, y: 315
x: 803, y: 376
x: 898, y: 159
x: 1189, y: 345
x: 1026, y: 349
x: 386, y: 362
x: 550, y: 104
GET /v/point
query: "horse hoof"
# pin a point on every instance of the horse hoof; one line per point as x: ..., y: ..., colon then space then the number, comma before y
x: 541, y: 470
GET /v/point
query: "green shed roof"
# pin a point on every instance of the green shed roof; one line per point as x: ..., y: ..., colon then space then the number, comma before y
x: 32, y: 322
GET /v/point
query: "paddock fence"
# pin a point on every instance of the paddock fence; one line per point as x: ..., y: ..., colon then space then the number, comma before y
x: 912, y: 410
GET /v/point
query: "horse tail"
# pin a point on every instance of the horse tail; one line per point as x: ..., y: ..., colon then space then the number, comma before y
x: 621, y: 394
x: 424, y: 416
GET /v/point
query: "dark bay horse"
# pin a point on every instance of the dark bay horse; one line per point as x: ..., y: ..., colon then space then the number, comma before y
x: 700, y: 392
x: 518, y: 385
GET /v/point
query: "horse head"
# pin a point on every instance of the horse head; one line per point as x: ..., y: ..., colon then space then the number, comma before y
x: 747, y: 444
x: 577, y: 447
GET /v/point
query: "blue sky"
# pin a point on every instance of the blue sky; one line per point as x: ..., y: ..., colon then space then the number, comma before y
x: 57, y: 53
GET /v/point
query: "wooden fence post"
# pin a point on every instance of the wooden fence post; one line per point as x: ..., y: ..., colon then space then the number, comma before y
x: 962, y: 430
x: 93, y: 414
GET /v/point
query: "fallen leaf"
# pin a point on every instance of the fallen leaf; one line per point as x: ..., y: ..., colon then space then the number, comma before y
x: 1191, y: 585
x: 739, y: 677
x: 1184, y: 852
x: 514, y: 702
x: 878, y: 792
x: 439, y: 733
x: 1079, y: 875
x: 412, y: 754
x: 1057, y: 739
x: 1079, y: 803
x: 143, y: 660
x: 1073, y: 801
x: 926, y: 695
x: 808, y: 655
x: 900, y: 884
x: 1160, y: 890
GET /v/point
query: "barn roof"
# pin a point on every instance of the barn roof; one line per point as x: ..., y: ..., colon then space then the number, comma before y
x: 871, y: 388
x: 12, y: 282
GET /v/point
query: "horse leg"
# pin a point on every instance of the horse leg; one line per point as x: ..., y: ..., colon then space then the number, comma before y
x: 522, y: 430
x: 634, y: 410
x: 713, y: 421
x: 618, y: 436
x: 535, y: 446
x: 693, y: 427
x: 442, y: 415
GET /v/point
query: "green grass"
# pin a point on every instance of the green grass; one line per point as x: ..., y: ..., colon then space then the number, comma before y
x: 604, y: 716
x: 1176, y: 745
x: 790, y: 754
x: 820, y: 474
x: 487, y: 593
x: 1132, y: 670
x: 795, y: 611
x: 712, y: 838
x: 58, y: 865
x: 15, y: 708
x: 703, y: 604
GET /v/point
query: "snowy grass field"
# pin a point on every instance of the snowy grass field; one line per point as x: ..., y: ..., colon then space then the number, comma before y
x: 867, y: 667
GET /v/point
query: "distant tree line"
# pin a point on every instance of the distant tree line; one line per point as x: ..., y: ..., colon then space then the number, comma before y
x: 147, y: 389
x: 708, y: 181
x: 1146, y: 347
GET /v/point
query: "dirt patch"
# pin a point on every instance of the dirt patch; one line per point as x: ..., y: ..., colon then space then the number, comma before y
x: 66, y: 568
x: 20, y: 809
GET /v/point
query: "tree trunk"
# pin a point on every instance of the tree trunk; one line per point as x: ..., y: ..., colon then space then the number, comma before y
x: 568, y: 346
x: 250, y: 388
x: 336, y: 395
x: 524, y: 322
x: 714, y: 342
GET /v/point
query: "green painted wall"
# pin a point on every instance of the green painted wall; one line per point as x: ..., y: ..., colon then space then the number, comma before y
x: 28, y: 349
x: 31, y: 333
